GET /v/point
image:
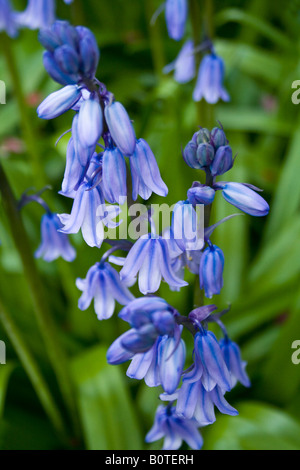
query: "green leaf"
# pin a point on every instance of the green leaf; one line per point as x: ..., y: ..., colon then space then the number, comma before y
x: 107, y: 412
x: 5, y: 373
x: 286, y: 383
x: 259, y: 426
x: 270, y: 32
x: 287, y: 196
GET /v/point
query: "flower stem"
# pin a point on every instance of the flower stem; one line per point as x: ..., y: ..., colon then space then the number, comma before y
x: 33, y: 372
x: 41, y: 308
x: 28, y: 136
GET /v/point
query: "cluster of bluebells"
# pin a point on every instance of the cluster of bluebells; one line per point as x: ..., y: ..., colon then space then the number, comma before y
x: 38, y: 14
x: 210, y: 75
x: 97, y: 184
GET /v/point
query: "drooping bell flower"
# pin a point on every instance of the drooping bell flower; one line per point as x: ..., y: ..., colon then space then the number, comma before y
x: 120, y: 127
x: 244, y: 197
x: 174, y: 429
x: 145, y: 173
x: 103, y: 284
x: 54, y: 244
x: 211, y: 270
x: 210, y: 80
x: 176, y: 16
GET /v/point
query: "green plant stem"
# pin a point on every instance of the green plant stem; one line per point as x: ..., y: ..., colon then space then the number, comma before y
x: 205, y: 112
x: 28, y: 136
x: 156, y: 42
x: 43, y: 315
x: 33, y: 372
x: 199, y: 18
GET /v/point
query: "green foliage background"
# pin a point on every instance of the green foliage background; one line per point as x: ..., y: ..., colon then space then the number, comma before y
x: 259, y: 41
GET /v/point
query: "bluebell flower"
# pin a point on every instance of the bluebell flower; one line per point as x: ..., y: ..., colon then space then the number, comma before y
x: 200, y: 194
x: 211, y: 270
x: 209, y: 363
x: 243, y: 197
x: 174, y: 429
x: 194, y: 402
x: 187, y: 227
x: 114, y: 184
x: 234, y: 362
x: 59, y: 102
x: 90, y: 121
x: 181, y: 259
x: 150, y: 258
x: 222, y: 161
x: 145, y: 173
x: 38, y: 14
x: 162, y: 364
x: 176, y: 16
x: 54, y: 244
x: 184, y: 65
x: 103, y: 284
x: 7, y: 19
x: 210, y: 80
x: 72, y: 53
x: 89, y: 214
x: 158, y: 352
x: 120, y: 127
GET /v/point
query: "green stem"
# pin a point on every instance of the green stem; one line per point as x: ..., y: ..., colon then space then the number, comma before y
x: 33, y: 372
x: 28, y: 135
x: 41, y: 308
x: 156, y: 42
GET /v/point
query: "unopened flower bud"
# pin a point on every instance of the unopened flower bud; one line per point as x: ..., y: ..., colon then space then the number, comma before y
x: 218, y: 137
x: 205, y: 155
x: 222, y: 162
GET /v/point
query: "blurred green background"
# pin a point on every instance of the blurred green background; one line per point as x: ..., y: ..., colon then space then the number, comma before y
x: 260, y: 43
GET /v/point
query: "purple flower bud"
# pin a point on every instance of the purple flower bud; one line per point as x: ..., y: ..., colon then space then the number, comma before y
x: 200, y: 194
x: 120, y: 127
x: 90, y: 122
x: 171, y: 359
x: 202, y: 136
x: 176, y: 15
x: 55, y: 71
x: 114, y: 176
x: 49, y: 39
x: 244, y: 198
x: 222, y: 162
x: 190, y: 155
x: 59, y: 102
x: 218, y: 137
x: 211, y: 271
x: 210, y: 80
x: 205, y: 155
x: 89, y: 52
x: 67, y: 59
